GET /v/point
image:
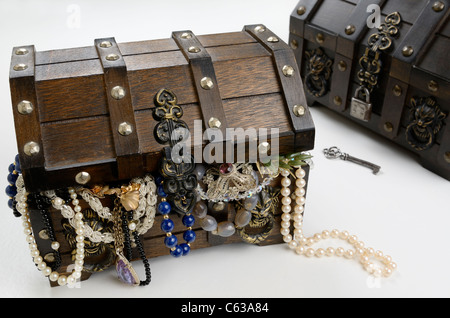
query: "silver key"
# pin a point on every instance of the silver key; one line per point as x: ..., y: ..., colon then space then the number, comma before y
x: 336, y: 153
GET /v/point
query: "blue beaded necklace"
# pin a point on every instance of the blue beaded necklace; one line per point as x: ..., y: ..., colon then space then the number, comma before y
x: 11, y: 190
x: 167, y: 226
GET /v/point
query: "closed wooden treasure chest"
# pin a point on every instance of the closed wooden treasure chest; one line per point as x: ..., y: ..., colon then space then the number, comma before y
x: 383, y: 64
x: 124, y: 148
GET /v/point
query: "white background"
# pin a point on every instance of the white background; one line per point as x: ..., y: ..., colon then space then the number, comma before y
x: 404, y: 211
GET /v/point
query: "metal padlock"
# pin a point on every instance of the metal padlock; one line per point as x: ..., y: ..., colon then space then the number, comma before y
x: 360, y: 109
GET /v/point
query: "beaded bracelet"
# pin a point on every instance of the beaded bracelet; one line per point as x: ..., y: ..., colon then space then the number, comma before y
x: 167, y: 226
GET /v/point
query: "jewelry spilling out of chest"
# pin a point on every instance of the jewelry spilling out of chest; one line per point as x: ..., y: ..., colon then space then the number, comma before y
x: 141, y: 133
x: 383, y: 65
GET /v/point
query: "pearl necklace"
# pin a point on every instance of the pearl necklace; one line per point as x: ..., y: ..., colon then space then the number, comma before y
x: 303, y: 245
x: 54, y: 276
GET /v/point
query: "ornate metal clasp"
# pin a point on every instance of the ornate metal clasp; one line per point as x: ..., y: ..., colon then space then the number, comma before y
x: 179, y: 181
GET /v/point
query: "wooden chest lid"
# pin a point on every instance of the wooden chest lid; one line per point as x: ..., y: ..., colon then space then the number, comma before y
x: 89, y: 110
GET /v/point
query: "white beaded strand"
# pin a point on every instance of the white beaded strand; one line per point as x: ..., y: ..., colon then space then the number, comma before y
x: 37, y: 258
x: 303, y: 245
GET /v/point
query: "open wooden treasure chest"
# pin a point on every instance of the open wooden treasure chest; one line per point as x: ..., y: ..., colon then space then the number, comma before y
x: 384, y: 65
x: 129, y: 151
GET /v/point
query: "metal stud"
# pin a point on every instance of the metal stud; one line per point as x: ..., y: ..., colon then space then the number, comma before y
x: 350, y: 29
x: 342, y: 66
x: 118, y: 92
x: 214, y: 123
x: 31, y: 148
x: 112, y: 57
x: 43, y: 234
x: 50, y: 257
x: 21, y: 51
x: 320, y: 38
x: 407, y: 51
x: 294, y: 44
x: 447, y: 156
x: 20, y: 67
x: 186, y: 36
x: 273, y: 39
x: 388, y: 127
x: 288, y: 71
x: 125, y: 129
x: 397, y: 91
x: 194, y: 49
x: 438, y: 6
x: 25, y: 107
x: 83, y: 178
x: 105, y: 44
x: 264, y: 147
x: 433, y: 86
x: 299, y: 110
x: 207, y: 83
x: 260, y: 29
x: 337, y: 100
x: 301, y: 10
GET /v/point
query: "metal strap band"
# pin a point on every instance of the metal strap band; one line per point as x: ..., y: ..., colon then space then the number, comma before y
x: 26, y: 115
x: 205, y: 81
x: 123, y: 123
x: 290, y: 79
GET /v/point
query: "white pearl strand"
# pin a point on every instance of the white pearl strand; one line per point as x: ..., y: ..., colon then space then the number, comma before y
x: 37, y: 258
x: 302, y: 245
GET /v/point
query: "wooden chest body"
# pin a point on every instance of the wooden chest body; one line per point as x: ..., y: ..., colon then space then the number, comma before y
x: 76, y: 113
x: 412, y: 85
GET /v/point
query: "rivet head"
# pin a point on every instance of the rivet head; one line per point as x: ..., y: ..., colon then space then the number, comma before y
x: 342, y: 66
x: 407, y: 51
x: 207, y: 83
x: 186, y: 36
x: 118, y: 92
x: 194, y: 49
x: 294, y: 44
x: 260, y: 29
x: 350, y: 29
x: 301, y: 10
x: 214, y: 123
x: 83, y: 178
x: 20, y: 67
x: 288, y: 71
x: 447, y: 156
x: 433, y: 86
x: 337, y: 100
x: 388, y: 127
x: 438, y: 6
x: 105, y: 44
x: 43, y: 234
x: 125, y: 129
x: 397, y: 91
x: 21, y: 51
x: 112, y: 57
x: 320, y: 38
x: 50, y: 257
x: 264, y: 147
x: 25, y: 107
x: 31, y: 148
x: 273, y: 39
x: 299, y: 110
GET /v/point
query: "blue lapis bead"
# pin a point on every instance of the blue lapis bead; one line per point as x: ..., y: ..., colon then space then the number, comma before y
x: 167, y: 225
x: 12, y: 178
x: 164, y: 208
x: 158, y: 180
x: 11, y: 203
x: 11, y: 168
x: 189, y: 236
x: 177, y: 251
x: 188, y: 220
x: 161, y: 192
x: 11, y: 191
x: 186, y: 249
x: 171, y: 241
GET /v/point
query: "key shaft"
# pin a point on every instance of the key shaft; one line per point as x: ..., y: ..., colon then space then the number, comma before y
x: 375, y: 168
